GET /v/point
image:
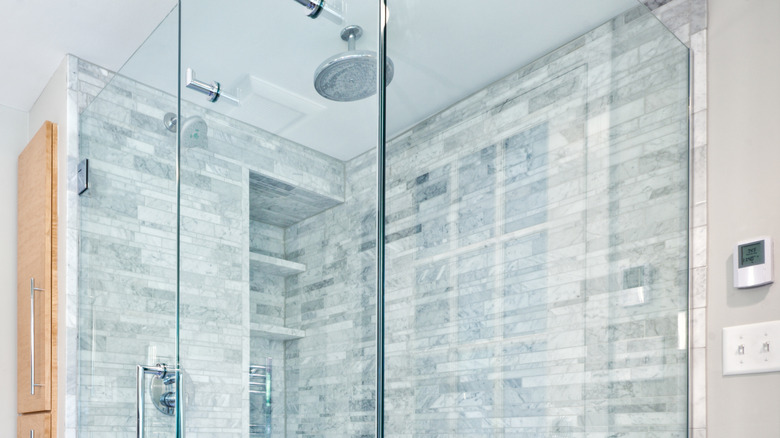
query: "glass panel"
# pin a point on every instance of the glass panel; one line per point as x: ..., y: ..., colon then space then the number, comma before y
x: 278, y: 201
x: 537, y: 217
x: 127, y: 236
x: 536, y: 222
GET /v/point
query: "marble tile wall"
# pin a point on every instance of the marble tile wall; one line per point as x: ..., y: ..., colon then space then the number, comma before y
x: 510, y: 282
x: 574, y: 177
x: 265, y: 238
x: 127, y: 255
x: 127, y: 271
x: 83, y: 83
x: 331, y: 373
x: 267, y: 291
x: 267, y: 306
x: 525, y: 227
x: 688, y: 20
x: 276, y: 203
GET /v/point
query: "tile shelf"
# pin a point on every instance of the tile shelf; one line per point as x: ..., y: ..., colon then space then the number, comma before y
x: 285, y: 268
x: 275, y: 265
x: 275, y: 332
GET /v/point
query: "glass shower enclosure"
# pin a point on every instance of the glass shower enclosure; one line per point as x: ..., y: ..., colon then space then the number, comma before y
x: 528, y: 277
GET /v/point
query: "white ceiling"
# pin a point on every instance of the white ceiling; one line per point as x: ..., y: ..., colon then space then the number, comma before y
x: 36, y: 34
x: 443, y: 52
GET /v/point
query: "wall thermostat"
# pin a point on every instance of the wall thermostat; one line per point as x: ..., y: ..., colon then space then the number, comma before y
x: 753, y: 263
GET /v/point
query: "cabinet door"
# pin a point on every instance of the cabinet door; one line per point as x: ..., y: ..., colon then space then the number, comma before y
x: 34, y: 426
x: 36, y: 206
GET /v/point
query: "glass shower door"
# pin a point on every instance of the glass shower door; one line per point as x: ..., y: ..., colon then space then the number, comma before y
x: 277, y: 221
x: 126, y: 237
x: 537, y: 217
x: 536, y: 223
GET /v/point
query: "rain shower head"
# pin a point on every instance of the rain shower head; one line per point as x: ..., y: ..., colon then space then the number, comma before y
x: 350, y: 75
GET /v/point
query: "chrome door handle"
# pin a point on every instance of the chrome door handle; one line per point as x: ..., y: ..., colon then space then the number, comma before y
x: 159, y: 371
x: 33, y: 289
x: 212, y: 90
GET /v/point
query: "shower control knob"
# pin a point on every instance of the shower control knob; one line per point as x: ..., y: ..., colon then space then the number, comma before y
x: 168, y: 399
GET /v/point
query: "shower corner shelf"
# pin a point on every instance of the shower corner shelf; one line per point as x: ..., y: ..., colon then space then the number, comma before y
x: 275, y: 332
x: 276, y: 266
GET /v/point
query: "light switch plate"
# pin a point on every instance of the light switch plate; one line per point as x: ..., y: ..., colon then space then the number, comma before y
x: 752, y: 348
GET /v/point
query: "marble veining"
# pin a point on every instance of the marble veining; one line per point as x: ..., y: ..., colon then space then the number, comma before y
x: 515, y: 229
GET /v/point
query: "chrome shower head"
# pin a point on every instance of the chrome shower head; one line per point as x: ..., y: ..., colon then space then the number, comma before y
x: 194, y: 129
x: 350, y: 75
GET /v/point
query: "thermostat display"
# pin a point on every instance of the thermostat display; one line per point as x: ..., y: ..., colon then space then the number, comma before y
x: 753, y: 263
x: 751, y: 254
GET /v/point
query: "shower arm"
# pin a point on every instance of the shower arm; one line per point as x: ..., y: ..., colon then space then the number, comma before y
x: 318, y: 8
x: 314, y: 7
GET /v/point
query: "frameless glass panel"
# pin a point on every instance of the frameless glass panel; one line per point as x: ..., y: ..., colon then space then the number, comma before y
x: 537, y: 217
x: 278, y: 214
x: 536, y: 222
x: 127, y: 237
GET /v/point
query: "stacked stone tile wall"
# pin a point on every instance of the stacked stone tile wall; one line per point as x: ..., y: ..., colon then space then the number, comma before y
x: 532, y: 220
x: 331, y: 373
x: 526, y: 225
x: 127, y: 252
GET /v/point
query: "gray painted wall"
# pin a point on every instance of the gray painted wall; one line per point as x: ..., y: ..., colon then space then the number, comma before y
x: 13, y: 124
x: 744, y: 59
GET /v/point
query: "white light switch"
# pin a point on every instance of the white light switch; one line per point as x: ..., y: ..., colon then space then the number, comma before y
x: 753, y: 348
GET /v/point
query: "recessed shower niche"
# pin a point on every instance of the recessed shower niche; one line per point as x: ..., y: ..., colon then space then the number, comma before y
x: 274, y: 206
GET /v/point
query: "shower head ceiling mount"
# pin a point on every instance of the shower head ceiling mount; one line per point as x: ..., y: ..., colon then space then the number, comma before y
x: 350, y: 75
x: 351, y: 34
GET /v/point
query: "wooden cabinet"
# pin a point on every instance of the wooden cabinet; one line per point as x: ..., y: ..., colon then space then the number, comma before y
x: 37, y: 281
x: 34, y: 425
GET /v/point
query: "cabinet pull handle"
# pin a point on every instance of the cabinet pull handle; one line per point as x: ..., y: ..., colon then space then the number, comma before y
x: 33, y: 289
x: 32, y: 433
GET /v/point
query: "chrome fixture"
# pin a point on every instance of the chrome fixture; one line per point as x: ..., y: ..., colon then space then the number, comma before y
x: 320, y: 8
x: 350, y: 75
x: 82, y: 176
x: 194, y: 130
x: 170, y: 121
x: 163, y: 392
x: 260, y: 399
x: 33, y: 289
x: 213, y: 90
x: 193, y: 127
x: 210, y: 90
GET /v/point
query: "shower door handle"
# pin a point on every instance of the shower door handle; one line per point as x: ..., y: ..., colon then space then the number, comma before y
x: 33, y: 289
x: 213, y: 90
x: 159, y: 371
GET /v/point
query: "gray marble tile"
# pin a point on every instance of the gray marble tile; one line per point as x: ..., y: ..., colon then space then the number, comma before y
x: 512, y: 217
